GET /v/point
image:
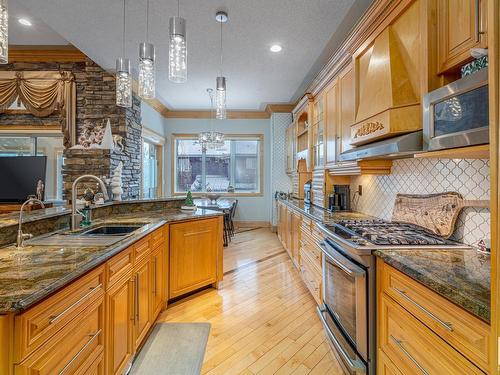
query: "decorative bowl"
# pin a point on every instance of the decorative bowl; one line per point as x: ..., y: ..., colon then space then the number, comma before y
x: 213, y: 197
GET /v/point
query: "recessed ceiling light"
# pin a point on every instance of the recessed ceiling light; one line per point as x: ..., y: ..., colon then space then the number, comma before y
x: 276, y: 48
x: 25, y: 22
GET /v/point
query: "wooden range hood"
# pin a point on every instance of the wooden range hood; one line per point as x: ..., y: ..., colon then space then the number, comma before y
x: 388, y: 87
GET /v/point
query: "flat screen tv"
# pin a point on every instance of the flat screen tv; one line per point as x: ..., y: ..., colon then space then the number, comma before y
x: 20, y: 176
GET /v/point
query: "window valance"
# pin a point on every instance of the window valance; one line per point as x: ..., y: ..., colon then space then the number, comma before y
x: 42, y: 93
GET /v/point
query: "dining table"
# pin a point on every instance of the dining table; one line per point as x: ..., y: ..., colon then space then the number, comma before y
x: 220, y: 204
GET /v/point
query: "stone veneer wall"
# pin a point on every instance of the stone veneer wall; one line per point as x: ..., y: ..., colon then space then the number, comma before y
x: 95, y: 102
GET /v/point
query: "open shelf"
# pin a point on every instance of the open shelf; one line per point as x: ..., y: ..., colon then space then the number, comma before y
x: 470, y: 152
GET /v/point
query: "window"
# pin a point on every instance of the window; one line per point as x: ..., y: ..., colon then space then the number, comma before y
x: 152, y: 161
x: 50, y: 146
x: 234, y: 167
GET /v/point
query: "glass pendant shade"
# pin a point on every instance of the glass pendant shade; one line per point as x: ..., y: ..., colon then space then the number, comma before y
x: 4, y: 32
x: 123, y: 83
x: 177, y: 53
x: 211, y: 140
x: 146, y: 71
x: 220, y: 98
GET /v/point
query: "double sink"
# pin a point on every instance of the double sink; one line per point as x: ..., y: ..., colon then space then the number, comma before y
x: 100, y: 235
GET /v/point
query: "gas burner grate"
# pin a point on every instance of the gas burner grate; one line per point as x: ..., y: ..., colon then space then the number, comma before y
x: 383, y: 233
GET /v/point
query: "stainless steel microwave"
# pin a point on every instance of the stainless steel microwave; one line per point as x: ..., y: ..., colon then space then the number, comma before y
x: 456, y: 115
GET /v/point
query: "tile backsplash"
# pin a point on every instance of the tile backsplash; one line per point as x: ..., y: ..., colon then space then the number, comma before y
x: 469, y: 177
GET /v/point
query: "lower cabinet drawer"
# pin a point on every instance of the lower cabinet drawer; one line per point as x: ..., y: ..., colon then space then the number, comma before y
x: 37, y: 325
x: 311, y: 277
x: 466, y: 333
x: 385, y: 365
x: 74, y: 350
x: 415, y: 349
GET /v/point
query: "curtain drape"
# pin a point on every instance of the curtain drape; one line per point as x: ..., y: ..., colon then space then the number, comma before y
x: 42, y: 93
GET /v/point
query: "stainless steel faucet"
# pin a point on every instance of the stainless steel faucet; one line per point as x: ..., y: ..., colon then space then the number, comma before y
x: 76, y: 216
x: 20, y: 235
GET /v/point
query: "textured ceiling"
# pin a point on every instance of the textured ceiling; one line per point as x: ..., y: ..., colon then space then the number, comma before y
x: 308, y: 30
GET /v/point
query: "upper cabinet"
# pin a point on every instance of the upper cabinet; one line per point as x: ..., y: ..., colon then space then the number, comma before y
x: 331, y: 120
x: 387, y: 72
x: 346, y: 106
x: 462, y: 25
x: 318, y: 132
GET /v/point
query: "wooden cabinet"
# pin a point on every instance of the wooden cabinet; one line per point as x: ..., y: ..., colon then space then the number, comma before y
x: 120, y: 324
x: 158, y: 279
x: 318, y: 132
x: 461, y: 27
x: 413, y: 348
x: 195, y: 255
x: 83, y: 344
x: 142, y: 301
x: 295, y: 233
x: 346, y: 112
x: 331, y: 120
x: 411, y: 318
x: 37, y: 325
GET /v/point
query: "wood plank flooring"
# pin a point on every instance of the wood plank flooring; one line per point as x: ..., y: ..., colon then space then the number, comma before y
x: 263, y: 318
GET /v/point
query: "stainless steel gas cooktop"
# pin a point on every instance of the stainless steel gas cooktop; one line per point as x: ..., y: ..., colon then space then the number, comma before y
x: 384, y: 234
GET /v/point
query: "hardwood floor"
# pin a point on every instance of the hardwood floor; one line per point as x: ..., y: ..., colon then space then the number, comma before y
x: 263, y: 318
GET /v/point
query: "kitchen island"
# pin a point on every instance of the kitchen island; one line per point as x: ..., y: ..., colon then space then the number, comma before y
x: 89, y: 308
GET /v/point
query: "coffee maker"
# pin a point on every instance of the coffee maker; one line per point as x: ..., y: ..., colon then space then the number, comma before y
x: 340, y: 198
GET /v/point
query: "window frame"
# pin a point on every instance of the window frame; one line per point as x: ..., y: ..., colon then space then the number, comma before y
x: 158, y: 141
x: 194, y: 136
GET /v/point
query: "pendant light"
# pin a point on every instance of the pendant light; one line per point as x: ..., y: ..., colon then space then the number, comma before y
x: 4, y: 32
x: 211, y: 139
x: 177, y: 51
x: 220, y: 82
x: 147, y: 64
x: 123, y: 77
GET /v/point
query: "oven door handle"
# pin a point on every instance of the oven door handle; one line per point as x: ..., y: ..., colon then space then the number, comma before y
x: 355, y: 365
x: 349, y: 269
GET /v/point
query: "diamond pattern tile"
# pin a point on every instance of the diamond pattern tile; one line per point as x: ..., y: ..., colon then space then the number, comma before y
x: 471, y: 178
x: 280, y: 181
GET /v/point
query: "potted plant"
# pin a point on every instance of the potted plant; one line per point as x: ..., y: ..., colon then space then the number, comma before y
x: 188, y: 202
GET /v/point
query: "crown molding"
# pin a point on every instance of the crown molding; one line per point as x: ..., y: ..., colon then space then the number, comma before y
x: 279, y: 108
x: 233, y: 115
x: 45, y: 54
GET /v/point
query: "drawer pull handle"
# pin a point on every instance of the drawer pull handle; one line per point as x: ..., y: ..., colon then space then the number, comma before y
x: 55, y: 318
x: 92, y: 338
x: 446, y: 325
x: 399, y: 344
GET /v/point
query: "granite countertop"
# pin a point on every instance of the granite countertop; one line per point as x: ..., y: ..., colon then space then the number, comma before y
x: 13, y: 217
x: 30, y: 274
x: 320, y: 214
x: 461, y: 276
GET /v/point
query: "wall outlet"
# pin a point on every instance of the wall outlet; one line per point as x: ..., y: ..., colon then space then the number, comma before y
x: 360, y: 190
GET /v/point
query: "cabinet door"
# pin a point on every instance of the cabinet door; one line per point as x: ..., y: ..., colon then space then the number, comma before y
x: 142, y: 301
x: 331, y: 121
x: 346, y: 114
x: 193, y: 256
x: 318, y: 129
x: 73, y: 349
x: 120, y: 324
x: 289, y: 233
x: 295, y: 236
x: 461, y: 26
x: 157, y: 280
